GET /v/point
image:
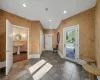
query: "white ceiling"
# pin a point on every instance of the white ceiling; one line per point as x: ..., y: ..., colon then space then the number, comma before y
x: 35, y: 9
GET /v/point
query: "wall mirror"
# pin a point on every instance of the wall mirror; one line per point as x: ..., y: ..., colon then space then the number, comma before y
x: 17, y: 37
x: 58, y: 37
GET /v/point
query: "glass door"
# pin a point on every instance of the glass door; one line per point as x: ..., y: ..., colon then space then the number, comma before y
x: 71, y: 43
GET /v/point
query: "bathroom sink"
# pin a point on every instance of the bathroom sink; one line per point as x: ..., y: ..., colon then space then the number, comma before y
x: 18, y: 45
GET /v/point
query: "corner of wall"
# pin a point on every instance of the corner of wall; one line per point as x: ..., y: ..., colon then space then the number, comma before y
x: 60, y: 54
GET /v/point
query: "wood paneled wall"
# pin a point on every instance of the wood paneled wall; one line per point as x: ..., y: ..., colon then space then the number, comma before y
x: 97, y: 32
x: 2, y: 38
x: 54, y: 37
x: 86, y: 33
x: 34, y: 27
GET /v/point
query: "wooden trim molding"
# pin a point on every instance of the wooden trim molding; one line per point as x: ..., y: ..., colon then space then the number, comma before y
x: 34, y: 56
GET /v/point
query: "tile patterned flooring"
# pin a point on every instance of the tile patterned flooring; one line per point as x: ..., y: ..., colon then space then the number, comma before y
x: 62, y: 69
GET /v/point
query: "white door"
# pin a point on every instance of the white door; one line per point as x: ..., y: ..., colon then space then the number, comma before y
x: 9, y: 46
x: 41, y: 41
x: 71, y: 43
x: 48, y: 41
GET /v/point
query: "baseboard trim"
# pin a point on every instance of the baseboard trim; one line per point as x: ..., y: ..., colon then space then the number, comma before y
x: 34, y: 56
x: 60, y: 54
x: 21, y: 52
x: 2, y: 64
x: 81, y: 62
x: 48, y: 50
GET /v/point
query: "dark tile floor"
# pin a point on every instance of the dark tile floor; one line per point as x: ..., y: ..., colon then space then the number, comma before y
x: 61, y: 70
x: 2, y: 72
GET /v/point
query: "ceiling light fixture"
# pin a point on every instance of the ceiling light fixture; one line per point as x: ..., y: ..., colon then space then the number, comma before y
x: 46, y: 9
x: 64, y: 12
x: 49, y: 26
x: 50, y: 20
x: 24, y: 5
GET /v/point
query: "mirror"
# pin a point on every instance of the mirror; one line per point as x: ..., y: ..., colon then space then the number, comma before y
x: 18, y: 37
x: 58, y: 37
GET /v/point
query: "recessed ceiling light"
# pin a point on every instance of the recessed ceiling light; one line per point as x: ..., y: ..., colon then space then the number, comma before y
x: 49, y: 26
x: 49, y: 20
x: 24, y: 5
x: 64, y: 12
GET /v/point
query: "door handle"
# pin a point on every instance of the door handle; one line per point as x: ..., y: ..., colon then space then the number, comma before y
x: 8, y: 51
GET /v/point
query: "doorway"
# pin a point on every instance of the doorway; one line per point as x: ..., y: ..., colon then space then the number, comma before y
x: 20, y: 43
x: 41, y: 41
x: 71, y: 43
x: 10, y: 44
x: 48, y: 41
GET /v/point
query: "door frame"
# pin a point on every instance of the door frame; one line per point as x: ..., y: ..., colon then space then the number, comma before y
x: 45, y: 40
x: 71, y: 27
x: 27, y: 39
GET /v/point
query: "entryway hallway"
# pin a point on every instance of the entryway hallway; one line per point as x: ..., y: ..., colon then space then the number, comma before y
x: 61, y: 69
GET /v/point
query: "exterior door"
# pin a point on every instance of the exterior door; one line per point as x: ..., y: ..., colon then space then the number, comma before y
x: 71, y: 43
x: 48, y: 41
x: 9, y: 46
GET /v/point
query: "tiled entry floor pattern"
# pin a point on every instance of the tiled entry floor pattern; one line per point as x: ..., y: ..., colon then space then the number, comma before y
x: 61, y: 70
